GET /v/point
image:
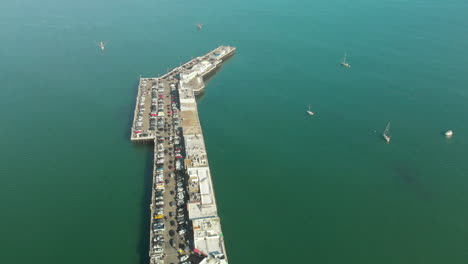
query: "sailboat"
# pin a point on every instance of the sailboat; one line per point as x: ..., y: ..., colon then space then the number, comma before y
x: 344, y: 63
x: 310, y: 112
x: 102, y: 45
x: 199, y: 26
x: 386, y: 133
x: 449, y: 133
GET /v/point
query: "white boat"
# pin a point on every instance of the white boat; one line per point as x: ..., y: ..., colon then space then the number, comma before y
x: 310, y: 112
x: 386, y: 133
x: 449, y: 133
x: 102, y: 45
x: 344, y: 63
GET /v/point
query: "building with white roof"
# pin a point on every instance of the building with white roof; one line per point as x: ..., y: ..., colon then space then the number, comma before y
x: 202, y: 202
x: 208, y: 238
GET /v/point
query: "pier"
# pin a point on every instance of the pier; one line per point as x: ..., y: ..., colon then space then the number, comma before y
x: 185, y: 227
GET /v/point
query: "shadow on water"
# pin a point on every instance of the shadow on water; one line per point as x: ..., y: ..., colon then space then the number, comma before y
x: 143, y: 244
x: 128, y: 124
x: 408, y: 176
x: 210, y: 76
x: 129, y: 111
x: 206, y: 80
x: 200, y: 96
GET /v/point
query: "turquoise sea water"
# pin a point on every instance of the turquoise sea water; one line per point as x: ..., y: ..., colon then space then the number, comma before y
x: 290, y: 188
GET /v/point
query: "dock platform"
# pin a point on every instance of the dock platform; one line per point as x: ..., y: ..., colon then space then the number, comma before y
x: 185, y: 227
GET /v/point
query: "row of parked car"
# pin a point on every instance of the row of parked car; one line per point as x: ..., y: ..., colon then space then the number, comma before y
x: 158, y: 236
x: 160, y: 123
x: 182, y: 215
x: 183, y: 227
x: 159, y: 186
x: 158, y: 221
x: 180, y: 194
x: 167, y: 147
x: 157, y: 107
x: 137, y: 126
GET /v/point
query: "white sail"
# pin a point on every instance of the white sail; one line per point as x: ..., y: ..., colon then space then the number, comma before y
x: 344, y: 63
x: 310, y: 112
x: 386, y: 133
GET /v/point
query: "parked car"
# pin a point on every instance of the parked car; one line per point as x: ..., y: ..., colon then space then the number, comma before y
x: 158, y: 250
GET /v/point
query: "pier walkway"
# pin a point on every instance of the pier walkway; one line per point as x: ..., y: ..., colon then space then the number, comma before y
x: 185, y: 227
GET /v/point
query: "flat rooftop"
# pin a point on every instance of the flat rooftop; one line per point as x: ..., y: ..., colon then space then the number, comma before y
x: 208, y: 237
x: 204, y: 204
x: 190, y: 122
x: 195, y: 150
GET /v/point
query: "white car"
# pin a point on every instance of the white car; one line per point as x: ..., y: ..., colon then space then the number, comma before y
x: 184, y: 257
x: 158, y: 250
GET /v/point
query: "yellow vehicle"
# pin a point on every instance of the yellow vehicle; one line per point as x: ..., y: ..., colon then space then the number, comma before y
x: 158, y: 216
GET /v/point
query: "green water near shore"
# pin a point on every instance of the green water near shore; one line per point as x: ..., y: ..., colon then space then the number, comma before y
x: 290, y: 188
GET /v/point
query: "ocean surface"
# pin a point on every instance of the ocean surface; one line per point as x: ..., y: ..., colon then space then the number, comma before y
x: 290, y: 188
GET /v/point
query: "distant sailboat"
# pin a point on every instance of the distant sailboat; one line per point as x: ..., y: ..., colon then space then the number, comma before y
x: 344, y: 63
x: 102, y: 45
x: 199, y: 26
x: 449, y: 133
x: 386, y: 133
x: 310, y: 112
